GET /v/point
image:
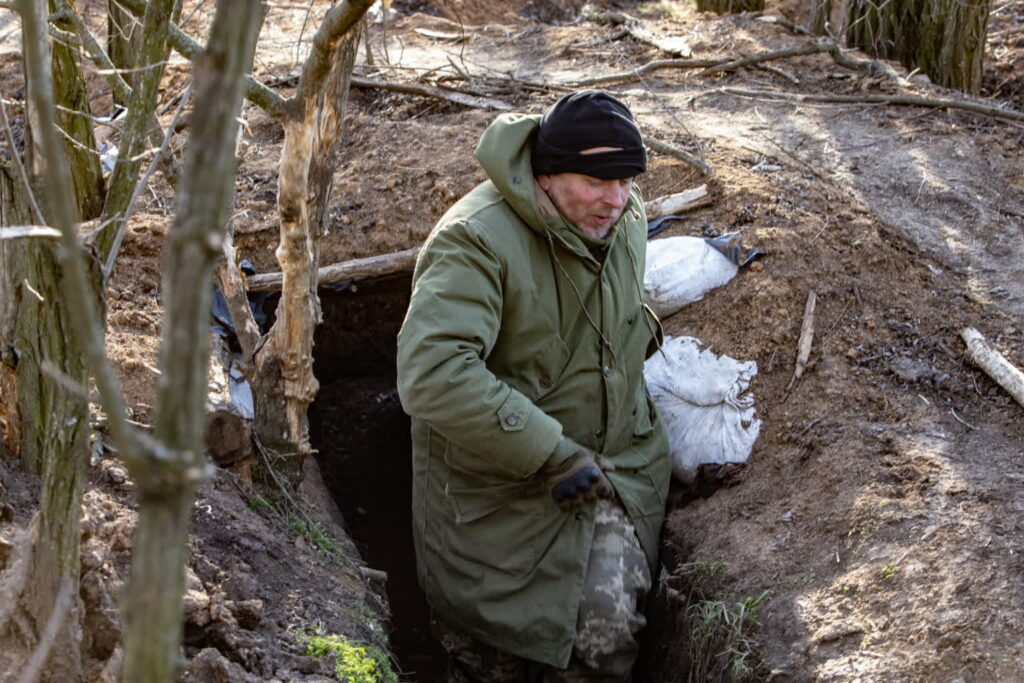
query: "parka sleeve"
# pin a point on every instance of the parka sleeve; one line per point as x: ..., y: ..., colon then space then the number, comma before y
x: 450, y: 329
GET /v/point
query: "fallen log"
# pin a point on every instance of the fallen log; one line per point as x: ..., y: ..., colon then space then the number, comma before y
x: 371, y: 266
x: 994, y: 364
x: 678, y: 203
x: 675, y: 45
x: 387, y: 264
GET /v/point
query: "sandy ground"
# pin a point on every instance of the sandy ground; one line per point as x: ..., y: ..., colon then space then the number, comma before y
x: 879, y: 509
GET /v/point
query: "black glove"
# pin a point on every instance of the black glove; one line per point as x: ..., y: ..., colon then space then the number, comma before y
x: 577, y: 479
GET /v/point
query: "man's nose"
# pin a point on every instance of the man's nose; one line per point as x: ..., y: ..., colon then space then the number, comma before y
x: 615, y: 195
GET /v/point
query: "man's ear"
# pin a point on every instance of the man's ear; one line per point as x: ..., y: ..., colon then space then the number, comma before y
x: 544, y: 181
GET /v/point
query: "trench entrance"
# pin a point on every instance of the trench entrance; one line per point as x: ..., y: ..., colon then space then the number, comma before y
x: 364, y: 451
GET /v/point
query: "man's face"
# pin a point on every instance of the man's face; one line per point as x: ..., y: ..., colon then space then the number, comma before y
x: 591, y: 204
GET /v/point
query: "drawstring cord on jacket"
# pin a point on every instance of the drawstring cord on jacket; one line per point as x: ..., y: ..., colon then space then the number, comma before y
x: 579, y: 297
x: 640, y: 293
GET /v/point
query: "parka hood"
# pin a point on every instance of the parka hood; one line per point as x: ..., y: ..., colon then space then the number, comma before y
x: 504, y: 152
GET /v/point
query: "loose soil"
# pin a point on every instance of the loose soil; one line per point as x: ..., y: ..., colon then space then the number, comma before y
x: 879, y: 512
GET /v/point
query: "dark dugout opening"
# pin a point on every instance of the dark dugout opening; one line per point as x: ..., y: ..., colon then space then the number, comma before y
x: 364, y: 451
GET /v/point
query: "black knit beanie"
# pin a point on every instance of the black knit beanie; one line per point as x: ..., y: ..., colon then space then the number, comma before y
x: 583, y: 120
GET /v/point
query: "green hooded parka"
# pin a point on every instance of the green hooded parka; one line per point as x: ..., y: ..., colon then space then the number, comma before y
x: 524, y: 335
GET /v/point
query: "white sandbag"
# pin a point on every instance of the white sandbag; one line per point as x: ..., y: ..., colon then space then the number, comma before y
x: 680, y: 270
x: 700, y: 398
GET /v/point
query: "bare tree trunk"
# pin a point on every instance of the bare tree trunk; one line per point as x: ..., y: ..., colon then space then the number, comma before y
x: 953, y: 42
x: 123, y: 42
x: 152, y: 604
x: 49, y: 383
x: 73, y: 96
x: 943, y: 38
x: 283, y: 381
x: 14, y: 210
x: 729, y: 6
x: 151, y: 58
x: 165, y: 473
x: 820, y: 17
x: 284, y: 384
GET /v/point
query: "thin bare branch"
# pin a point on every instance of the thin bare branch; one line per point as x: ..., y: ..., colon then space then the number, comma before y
x: 302, y: 30
x: 115, y: 247
x: 122, y: 91
x: 638, y: 73
x: 786, y: 53
x: 895, y: 100
x: 18, y: 231
x: 137, y: 125
x: 456, y: 96
x: 678, y: 153
x: 120, y: 88
x: 256, y: 92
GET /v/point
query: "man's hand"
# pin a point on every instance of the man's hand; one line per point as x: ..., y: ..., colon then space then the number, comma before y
x: 577, y: 479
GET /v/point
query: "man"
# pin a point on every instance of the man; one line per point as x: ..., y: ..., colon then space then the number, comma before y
x: 540, y: 468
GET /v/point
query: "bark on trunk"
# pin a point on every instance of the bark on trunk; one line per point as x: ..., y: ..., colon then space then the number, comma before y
x: 73, y: 95
x: 943, y: 38
x: 53, y: 413
x: 152, y: 605
x: 729, y: 6
x: 821, y: 15
x: 151, y: 58
x: 124, y: 40
x: 14, y: 210
x: 284, y: 384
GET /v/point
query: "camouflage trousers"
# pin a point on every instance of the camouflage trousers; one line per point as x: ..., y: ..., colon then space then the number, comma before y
x: 609, y: 618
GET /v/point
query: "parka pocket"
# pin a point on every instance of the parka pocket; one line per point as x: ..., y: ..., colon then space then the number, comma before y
x: 543, y: 370
x: 645, y: 415
x: 496, y: 526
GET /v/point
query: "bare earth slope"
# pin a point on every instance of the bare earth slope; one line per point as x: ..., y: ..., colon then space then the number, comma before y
x: 880, y: 509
